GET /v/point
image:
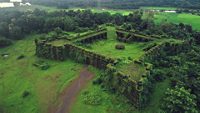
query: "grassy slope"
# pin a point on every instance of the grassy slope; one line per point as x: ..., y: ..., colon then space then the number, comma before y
x: 17, y: 76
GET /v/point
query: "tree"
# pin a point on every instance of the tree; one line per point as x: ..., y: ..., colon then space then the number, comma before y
x: 118, y: 19
x: 15, y: 32
x: 101, y: 18
x: 4, y: 29
x: 69, y: 24
x: 135, y: 17
x: 4, y: 42
x: 179, y: 100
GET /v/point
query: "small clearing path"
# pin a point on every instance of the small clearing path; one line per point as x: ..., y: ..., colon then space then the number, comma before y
x: 69, y: 95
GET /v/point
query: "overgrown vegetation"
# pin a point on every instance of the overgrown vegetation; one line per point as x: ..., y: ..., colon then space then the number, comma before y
x: 152, y: 53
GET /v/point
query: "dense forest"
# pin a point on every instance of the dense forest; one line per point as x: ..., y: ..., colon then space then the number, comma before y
x: 119, y: 4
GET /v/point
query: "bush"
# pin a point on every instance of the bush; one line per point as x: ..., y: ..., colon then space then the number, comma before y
x: 120, y: 47
x: 91, y: 98
x: 4, y: 42
x: 97, y: 81
x: 158, y: 74
x: 179, y: 100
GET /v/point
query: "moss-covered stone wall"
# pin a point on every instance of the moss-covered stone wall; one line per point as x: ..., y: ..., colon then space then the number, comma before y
x: 129, y: 37
x: 168, y: 46
x: 123, y: 84
x: 47, y: 50
x: 93, y: 37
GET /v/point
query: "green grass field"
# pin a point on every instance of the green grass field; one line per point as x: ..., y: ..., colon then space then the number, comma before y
x: 107, y: 47
x: 111, y: 11
x: 19, y: 76
x: 193, y: 20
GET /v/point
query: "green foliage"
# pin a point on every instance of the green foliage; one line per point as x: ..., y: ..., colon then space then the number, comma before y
x: 4, y: 42
x: 179, y: 100
x: 91, y: 98
x: 158, y: 74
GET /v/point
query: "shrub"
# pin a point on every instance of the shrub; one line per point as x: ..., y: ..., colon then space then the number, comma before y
x: 97, y: 81
x: 179, y: 100
x: 91, y: 98
x: 5, y: 42
x: 158, y: 74
x: 120, y: 47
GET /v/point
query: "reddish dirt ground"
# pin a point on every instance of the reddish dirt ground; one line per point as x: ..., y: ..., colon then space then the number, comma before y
x: 69, y: 95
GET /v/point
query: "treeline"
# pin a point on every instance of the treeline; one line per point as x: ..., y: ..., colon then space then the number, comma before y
x: 15, y: 24
x: 119, y: 4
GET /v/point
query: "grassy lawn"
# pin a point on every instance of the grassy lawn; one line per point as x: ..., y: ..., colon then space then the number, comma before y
x: 193, y: 20
x: 17, y: 77
x: 107, y: 47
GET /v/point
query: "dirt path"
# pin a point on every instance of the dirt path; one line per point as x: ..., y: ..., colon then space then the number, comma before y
x: 69, y: 95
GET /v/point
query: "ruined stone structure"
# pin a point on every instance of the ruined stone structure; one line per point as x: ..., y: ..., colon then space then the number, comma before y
x: 47, y: 50
x: 135, y: 90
